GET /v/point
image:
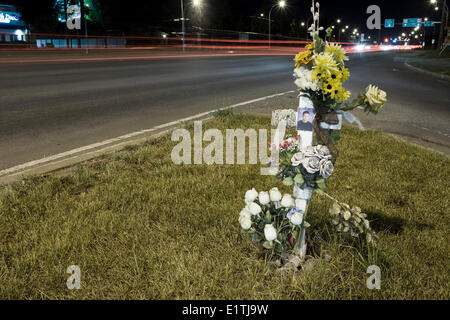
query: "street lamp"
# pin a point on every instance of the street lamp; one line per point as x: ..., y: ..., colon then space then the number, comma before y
x: 280, y: 4
x: 195, y: 3
x: 339, y: 37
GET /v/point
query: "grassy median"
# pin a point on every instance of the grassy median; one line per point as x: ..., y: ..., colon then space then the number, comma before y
x: 433, y: 61
x: 141, y: 227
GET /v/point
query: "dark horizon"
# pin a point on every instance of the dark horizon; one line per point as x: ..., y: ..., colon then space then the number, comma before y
x: 137, y: 17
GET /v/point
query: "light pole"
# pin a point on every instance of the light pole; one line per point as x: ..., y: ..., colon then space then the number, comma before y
x: 280, y: 4
x: 339, y: 22
x: 196, y: 3
x: 444, y: 20
x: 183, y: 30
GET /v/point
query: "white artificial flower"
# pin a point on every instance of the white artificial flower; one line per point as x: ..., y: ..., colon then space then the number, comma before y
x: 254, y: 208
x: 246, y: 223
x: 287, y: 201
x: 309, y: 151
x: 297, y: 218
x: 275, y: 195
x: 311, y: 164
x: 251, y: 195
x: 347, y: 215
x: 245, y: 213
x: 375, y: 97
x: 270, y: 233
x: 300, y: 204
x: 326, y: 168
x: 322, y: 152
x: 264, y: 198
x: 297, y: 159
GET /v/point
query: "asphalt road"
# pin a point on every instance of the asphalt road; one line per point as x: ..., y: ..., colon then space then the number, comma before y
x: 49, y: 108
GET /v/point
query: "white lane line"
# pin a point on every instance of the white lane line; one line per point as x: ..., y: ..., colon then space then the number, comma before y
x: 128, y: 136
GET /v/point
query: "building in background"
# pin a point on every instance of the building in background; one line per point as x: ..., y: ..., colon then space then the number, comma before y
x: 12, y: 27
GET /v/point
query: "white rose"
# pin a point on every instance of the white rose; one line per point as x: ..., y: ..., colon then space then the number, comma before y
x: 251, y: 195
x: 264, y: 198
x: 245, y: 213
x: 347, y: 215
x: 245, y: 223
x: 254, y: 208
x: 322, y: 152
x: 312, y: 164
x: 270, y: 233
x: 309, y: 151
x: 297, y: 159
x: 326, y: 168
x: 275, y: 195
x: 287, y: 201
x: 375, y: 97
x: 297, y: 218
x: 300, y: 204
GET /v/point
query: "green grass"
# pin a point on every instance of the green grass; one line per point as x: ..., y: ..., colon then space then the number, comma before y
x: 140, y: 227
x: 432, y: 61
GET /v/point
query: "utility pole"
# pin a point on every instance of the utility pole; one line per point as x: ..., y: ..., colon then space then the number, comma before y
x: 183, y: 30
x: 444, y: 21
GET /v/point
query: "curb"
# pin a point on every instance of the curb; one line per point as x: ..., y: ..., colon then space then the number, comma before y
x: 430, y: 73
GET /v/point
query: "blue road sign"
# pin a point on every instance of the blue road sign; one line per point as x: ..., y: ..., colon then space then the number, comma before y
x: 412, y: 22
x: 428, y: 24
x: 389, y: 23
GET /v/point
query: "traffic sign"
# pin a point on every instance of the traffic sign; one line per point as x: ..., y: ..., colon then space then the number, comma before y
x: 389, y: 23
x: 412, y: 22
x: 428, y: 24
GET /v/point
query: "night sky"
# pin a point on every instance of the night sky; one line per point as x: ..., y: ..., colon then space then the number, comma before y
x: 235, y: 14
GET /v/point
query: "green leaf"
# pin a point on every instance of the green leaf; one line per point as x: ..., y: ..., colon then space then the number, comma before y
x: 335, y: 135
x: 268, y: 245
x: 321, y: 184
x: 268, y: 217
x: 299, y: 179
x: 255, y: 237
x: 288, y: 181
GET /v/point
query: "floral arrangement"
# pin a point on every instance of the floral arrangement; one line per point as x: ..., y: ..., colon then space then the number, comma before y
x: 320, y: 74
x: 307, y: 168
x: 276, y: 221
x: 351, y: 221
x: 273, y: 219
x: 289, y: 146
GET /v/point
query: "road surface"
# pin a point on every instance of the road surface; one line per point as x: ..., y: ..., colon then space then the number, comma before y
x: 48, y: 108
